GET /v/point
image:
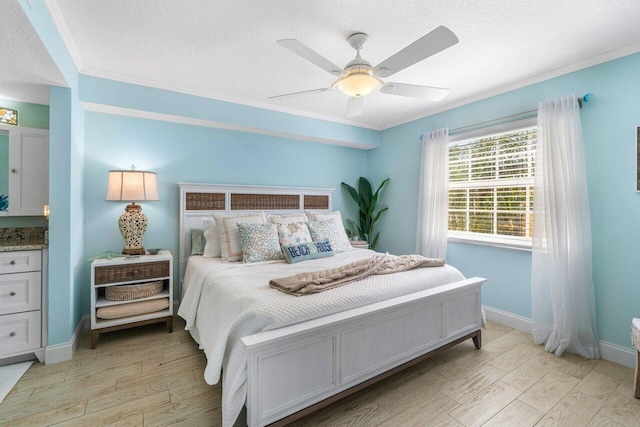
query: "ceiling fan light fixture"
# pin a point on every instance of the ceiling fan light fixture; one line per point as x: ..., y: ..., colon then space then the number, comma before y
x: 358, y: 83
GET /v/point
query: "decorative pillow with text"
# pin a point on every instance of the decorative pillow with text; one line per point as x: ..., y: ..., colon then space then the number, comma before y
x: 306, y: 251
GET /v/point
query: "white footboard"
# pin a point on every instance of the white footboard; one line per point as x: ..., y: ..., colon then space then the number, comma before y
x: 295, y: 367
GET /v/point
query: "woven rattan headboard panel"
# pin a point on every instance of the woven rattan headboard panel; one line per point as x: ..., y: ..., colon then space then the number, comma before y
x: 254, y: 201
x: 198, y: 200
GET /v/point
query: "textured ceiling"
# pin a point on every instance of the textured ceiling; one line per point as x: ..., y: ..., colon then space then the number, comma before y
x: 26, y: 69
x: 227, y: 49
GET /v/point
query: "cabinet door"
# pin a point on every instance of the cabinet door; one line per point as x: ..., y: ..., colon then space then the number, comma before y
x: 20, y: 332
x: 29, y: 171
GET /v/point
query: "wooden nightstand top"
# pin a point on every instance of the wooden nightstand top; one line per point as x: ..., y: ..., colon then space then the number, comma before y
x: 160, y: 256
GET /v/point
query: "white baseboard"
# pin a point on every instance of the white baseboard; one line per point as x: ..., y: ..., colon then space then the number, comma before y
x: 608, y: 351
x: 63, y: 352
x: 511, y: 320
x: 617, y: 354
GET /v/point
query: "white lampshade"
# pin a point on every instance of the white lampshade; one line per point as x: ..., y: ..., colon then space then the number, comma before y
x: 132, y: 186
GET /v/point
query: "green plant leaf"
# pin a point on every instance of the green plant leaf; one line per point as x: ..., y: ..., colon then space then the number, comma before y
x: 365, y: 222
x: 373, y: 244
x: 352, y: 191
x: 377, y: 217
x: 355, y: 196
x: 364, y: 188
x: 374, y: 199
x: 382, y: 184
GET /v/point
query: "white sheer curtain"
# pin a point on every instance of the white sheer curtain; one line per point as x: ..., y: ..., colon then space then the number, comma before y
x: 433, y: 196
x: 563, y: 311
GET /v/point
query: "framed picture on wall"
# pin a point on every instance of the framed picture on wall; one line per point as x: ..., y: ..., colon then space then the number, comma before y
x: 638, y: 158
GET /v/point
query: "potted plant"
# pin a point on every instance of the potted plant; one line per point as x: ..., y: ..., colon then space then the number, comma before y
x: 367, y: 217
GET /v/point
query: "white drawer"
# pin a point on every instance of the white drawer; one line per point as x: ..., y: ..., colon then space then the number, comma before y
x: 20, y: 332
x: 20, y: 261
x: 20, y: 292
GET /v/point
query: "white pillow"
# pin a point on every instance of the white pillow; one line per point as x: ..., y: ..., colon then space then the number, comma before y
x: 229, y: 235
x: 293, y: 233
x: 212, y: 247
x: 337, y: 218
x: 286, y: 219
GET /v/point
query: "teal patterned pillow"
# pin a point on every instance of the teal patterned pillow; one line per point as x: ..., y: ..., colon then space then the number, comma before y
x: 293, y: 233
x: 321, y: 230
x: 259, y: 242
x: 305, y: 251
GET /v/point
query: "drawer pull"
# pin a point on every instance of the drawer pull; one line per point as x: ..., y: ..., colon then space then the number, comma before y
x: 134, y: 272
x: 13, y: 294
x: 12, y: 334
x: 13, y: 262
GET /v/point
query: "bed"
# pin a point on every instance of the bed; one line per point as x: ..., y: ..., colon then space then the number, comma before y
x: 283, y: 356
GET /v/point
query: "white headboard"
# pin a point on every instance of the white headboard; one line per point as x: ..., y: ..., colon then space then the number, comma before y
x: 198, y: 200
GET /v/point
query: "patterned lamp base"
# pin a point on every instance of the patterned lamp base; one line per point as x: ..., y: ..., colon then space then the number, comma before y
x: 133, y: 224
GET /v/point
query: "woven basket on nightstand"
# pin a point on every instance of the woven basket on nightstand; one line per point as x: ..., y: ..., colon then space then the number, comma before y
x: 635, y: 337
x: 131, y: 292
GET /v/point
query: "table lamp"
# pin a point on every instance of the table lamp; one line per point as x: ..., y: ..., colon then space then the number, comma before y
x: 132, y: 186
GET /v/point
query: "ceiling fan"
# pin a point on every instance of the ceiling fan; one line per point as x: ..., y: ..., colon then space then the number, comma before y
x: 359, y: 78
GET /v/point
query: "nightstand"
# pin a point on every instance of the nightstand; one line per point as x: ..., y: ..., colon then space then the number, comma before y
x: 130, y: 271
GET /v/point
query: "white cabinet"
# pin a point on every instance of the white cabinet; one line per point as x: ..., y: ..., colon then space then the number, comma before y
x: 22, y: 312
x: 28, y: 170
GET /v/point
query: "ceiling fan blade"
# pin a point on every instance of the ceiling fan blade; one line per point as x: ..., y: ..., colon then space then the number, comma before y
x: 415, y: 91
x: 304, y: 92
x: 434, y: 42
x: 310, y: 55
x: 355, y: 106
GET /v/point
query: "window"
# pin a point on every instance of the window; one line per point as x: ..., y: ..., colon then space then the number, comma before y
x: 491, y: 174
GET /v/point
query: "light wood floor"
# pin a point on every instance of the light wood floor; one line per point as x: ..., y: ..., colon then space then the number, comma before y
x: 147, y: 377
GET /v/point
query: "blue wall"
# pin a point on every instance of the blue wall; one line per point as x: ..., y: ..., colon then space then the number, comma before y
x: 609, y: 125
x: 126, y: 95
x: 67, y: 266
x: 185, y: 153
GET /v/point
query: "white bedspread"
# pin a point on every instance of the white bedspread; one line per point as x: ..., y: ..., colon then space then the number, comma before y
x: 224, y: 302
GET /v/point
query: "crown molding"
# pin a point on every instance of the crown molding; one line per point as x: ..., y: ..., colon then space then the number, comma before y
x: 142, y: 114
x: 547, y: 75
x: 109, y: 75
x: 61, y: 24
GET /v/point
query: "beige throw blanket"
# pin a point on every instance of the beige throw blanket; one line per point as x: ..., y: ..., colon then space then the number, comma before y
x: 320, y: 281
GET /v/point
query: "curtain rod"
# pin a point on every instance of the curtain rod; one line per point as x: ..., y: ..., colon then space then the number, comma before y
x: 581, y: 100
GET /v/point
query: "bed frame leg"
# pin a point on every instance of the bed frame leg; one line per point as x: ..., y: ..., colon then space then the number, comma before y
x: 477, y: 340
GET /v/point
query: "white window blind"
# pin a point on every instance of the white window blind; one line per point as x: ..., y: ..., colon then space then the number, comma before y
x: 491, y: 186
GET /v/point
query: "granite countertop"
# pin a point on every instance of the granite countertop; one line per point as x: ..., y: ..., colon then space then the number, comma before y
x: 19, y: 246
x: 22, y: 239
